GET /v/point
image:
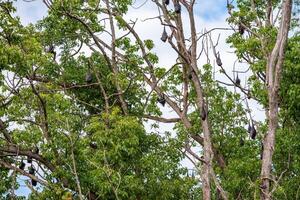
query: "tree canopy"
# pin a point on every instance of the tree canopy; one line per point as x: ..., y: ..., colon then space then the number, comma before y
x: 80, y: 88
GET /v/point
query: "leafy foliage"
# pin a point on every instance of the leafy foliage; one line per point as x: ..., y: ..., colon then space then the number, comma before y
x: 88, y: 145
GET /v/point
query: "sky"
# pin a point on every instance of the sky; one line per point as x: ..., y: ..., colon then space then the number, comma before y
x: 209, y: 14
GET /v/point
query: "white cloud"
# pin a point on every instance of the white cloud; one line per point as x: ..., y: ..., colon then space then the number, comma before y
x: 30, y: 12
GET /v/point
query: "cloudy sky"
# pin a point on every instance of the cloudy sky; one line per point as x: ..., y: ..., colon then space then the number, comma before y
x: 209, y: 14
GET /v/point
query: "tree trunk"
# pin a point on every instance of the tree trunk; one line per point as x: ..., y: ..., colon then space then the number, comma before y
x: 269, y: 143
x: 207, y: 165
x: 207, y: 147
x: 273, y: 72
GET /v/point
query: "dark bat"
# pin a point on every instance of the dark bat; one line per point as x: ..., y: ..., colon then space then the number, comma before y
x: 241, y: 29
x: 177, y: 8
x: 93, y: 145
x: 36, y: 150
x: 22, y: 165
x: 237, y: 80
x: 164, y: 35
x: 33, y: 182
x: 203, y: 113
x: 29, y: 159
x: 161, y: 100
x: 218, y: 61
x: 253, y: 132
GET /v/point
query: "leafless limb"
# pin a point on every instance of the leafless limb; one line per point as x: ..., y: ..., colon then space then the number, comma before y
x: 161, y: 119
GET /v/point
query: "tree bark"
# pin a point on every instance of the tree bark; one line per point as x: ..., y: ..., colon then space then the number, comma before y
x: 274, y: 68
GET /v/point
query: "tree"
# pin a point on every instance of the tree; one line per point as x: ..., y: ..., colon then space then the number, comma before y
x: 270, y: 37
x: 76, y: 135
x: 75, y: 103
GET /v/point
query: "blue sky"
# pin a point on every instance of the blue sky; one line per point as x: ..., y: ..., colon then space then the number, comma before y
x: 206, y: 9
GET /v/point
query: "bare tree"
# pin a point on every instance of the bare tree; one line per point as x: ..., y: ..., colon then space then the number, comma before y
x: 273, y: 72
x: 273, y: 76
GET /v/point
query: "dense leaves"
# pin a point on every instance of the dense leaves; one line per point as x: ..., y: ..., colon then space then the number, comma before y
x: 63, y: 92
